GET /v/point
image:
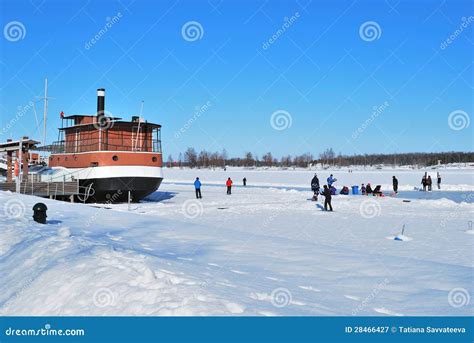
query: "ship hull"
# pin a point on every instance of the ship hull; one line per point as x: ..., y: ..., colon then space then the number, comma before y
x: 118, y: 189
x: 110, y: 184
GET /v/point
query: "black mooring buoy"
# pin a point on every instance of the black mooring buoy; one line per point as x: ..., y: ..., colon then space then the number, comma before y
x: 39, y: 213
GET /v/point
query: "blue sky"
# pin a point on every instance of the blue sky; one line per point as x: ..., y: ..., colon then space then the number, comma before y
x: 321, y: 71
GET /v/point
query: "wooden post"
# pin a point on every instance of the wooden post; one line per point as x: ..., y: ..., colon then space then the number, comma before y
x: 25, y: 165
x: 9, y: 166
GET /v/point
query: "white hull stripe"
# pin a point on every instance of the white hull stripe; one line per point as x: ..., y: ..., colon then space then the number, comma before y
x: 107, y: 172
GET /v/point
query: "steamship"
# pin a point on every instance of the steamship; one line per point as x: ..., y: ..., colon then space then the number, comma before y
x: 113, y: 160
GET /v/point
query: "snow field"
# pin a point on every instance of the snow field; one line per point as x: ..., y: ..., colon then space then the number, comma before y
x: 259, y: 251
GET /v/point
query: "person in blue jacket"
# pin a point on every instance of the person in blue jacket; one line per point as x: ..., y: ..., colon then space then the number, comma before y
x: 331, y: 180
x: 197, y: 186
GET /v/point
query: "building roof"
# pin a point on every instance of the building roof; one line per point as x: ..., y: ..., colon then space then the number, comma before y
x: 74, y: 116
x: 114, y: 122
x: 15, y: 145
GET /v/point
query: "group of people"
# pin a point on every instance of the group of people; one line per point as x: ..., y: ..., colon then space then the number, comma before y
x: 228, y: 184
x: 328, y: 190
x: 377, y: 191
x: 427, y: 183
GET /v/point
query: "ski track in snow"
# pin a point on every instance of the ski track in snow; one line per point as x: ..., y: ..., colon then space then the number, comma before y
x: 269, y: 252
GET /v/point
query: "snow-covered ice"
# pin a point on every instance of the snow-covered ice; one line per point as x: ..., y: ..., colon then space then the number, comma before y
x: 264, y: 250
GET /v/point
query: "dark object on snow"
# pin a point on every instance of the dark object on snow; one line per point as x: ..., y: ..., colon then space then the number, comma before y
x: 368, y: 189
x: 39, y: 213
x: 244, y: 181
x: 406, y: 200
x: 377, y: 190
x: 344, y: 190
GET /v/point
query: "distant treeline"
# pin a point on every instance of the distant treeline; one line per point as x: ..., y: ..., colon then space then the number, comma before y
x: 205, y: 159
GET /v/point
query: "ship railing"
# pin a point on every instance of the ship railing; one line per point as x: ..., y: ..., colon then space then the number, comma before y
x: 43, y: 189
x: 95, y: 145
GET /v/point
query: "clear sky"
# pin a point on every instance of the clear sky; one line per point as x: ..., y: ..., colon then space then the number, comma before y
x: 281, y: 76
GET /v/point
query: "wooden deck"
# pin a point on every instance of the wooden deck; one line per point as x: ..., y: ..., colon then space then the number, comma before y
x: 43, y: 189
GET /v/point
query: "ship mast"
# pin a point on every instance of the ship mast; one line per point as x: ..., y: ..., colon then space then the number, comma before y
x: 45, y: 109
x: 138, y: 129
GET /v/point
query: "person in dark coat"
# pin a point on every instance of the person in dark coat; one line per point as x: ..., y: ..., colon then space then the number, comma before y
x: 424, y: 181
x: 327, y: 200
x: 378, y: 191
x: 439, y: 181
x: 395, y: 184
x: 315, y: 187
x: 429, y: 183
x: 368, y: 189
x: 244, y: 181
x: 197, y: 186
x: 363, y: 190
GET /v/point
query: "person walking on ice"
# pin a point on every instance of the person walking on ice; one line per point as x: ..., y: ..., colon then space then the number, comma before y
x: 395, y: 184
x: 229, y: 186
x: 315, y: 187
x: 439, y: 180
x: 429, y: 183
x: 327, y: 200
x: 197, y: 186
x: 244, y: 181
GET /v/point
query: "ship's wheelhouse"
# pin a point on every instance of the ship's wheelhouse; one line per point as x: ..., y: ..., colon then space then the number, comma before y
x: 85, y: 134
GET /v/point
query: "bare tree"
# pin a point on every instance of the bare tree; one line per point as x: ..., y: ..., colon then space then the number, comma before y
x: 170, y: 161
x: 190, y: 157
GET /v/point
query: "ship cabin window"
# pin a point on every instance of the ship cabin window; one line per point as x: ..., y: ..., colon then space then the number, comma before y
x: 115, y: 158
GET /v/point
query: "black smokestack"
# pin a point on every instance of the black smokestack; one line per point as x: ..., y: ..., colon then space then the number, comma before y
x: 100, y: 103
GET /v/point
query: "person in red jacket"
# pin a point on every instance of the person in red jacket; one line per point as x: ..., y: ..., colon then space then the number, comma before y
x: 229, y: 186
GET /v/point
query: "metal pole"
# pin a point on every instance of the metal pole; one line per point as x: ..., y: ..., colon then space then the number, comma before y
x: 19, y: 159
x: 129, y: 199
x: 45, y: 110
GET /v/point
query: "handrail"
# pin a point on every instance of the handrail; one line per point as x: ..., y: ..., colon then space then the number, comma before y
x: 70, y: 147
